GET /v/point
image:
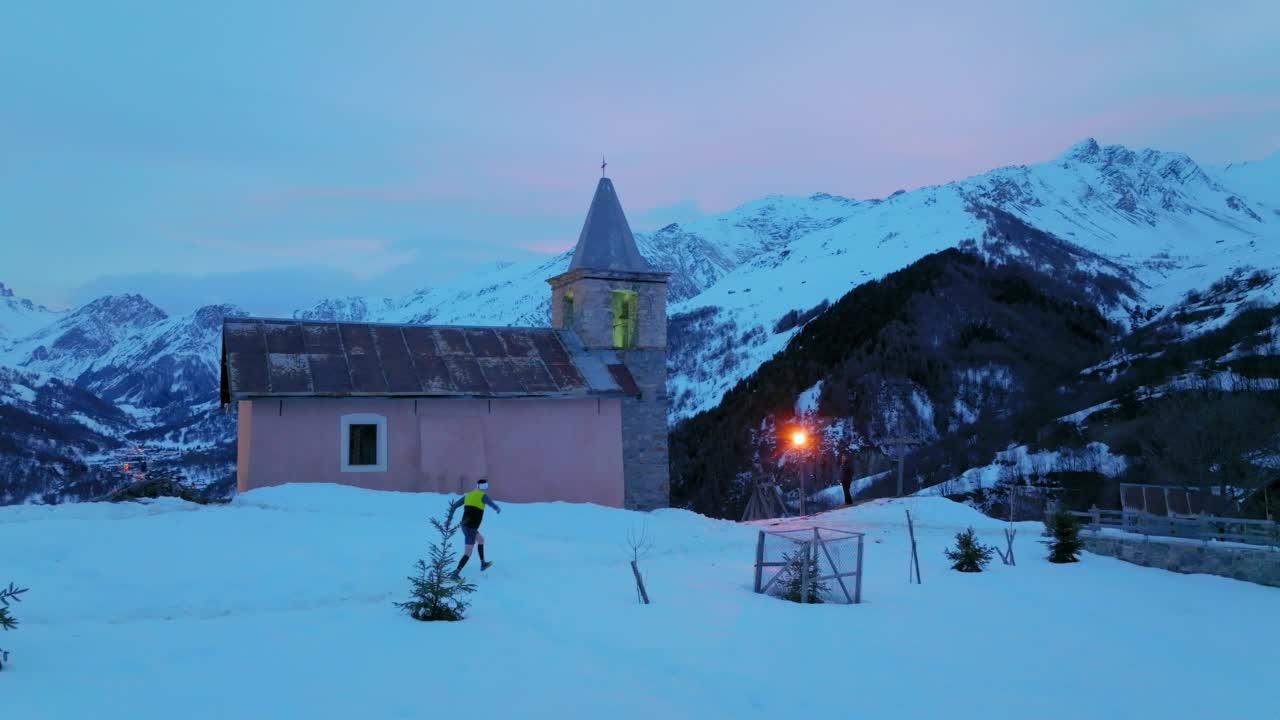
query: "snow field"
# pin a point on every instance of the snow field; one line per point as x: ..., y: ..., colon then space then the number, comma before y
x: 279, y: 606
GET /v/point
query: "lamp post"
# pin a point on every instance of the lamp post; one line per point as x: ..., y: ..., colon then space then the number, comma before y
x: 799, y: 443
x: 903, y: 444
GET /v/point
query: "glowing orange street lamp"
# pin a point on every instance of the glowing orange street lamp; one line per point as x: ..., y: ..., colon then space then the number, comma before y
x: 799, y: 440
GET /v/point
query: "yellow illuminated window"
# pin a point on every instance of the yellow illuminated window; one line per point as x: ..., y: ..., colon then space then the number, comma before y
x: 566, y: 309
x: 625, y: 306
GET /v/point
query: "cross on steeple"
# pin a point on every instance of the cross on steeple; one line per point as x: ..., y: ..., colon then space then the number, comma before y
x: 603, y: 165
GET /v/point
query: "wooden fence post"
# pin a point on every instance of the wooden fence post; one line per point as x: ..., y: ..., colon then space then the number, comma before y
x: 1096, y: 516
x: 1007, y: 557
x: 817, y: 542
x: 759, y: 559
x: 915, y: 558
x: 804, y: 576
x: 857, y: 585
x: 644, y: 594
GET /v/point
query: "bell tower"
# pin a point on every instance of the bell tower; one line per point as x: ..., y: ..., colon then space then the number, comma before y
x: 616, y: 302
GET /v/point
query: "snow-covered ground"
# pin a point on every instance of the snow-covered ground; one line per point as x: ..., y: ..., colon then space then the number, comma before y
x: 279, y: 606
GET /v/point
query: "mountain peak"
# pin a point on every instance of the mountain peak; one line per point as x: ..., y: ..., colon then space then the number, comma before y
x: 830, y: 198
x: 5, y: 291
x: 212, y: 315
x: 1090, y: 152
x: 131, y: 308
x: 1085, y: 150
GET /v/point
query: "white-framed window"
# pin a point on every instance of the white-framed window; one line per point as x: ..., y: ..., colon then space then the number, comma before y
x: 363, y: 442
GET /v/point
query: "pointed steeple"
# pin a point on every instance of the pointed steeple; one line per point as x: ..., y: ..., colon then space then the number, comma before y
x: 606, y: 242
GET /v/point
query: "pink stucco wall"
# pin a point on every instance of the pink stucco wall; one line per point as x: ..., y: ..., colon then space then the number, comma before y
x: 531, y: 450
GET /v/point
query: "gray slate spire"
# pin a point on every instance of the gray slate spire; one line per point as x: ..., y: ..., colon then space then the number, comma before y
x: 606, y: 242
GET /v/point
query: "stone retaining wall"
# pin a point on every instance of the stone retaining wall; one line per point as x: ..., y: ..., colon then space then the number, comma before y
x: 1260, y: 565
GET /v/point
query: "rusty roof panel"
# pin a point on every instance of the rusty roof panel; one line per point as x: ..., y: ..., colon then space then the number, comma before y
x: 433, y: 374
x: 533, y: 375
x: 362, y: 359
x: 520, y: 343
x: 244, y: 337
x: 289, y: 372
x: 380, y: 360
x: 452, y: 341
x: 466, y: 375
x: 329, y: 374
x: 421, y: 340
x: 322, y: 338
x: 500, y: 374
x: 247, y: 373
x: 567, y: 378
x: 623, y: 377
x: 282, y: 338
x: 550, y: 348
x: 484, y: 343
x: 397, y: 366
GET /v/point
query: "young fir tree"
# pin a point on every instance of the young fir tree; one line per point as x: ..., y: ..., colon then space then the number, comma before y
x: 436, y: 595
x: 791, y: 584
x: 1066, y: 544
x: 969, y: 555
x: 7, y: 620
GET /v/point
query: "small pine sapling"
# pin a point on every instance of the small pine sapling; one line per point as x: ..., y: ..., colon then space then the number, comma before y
x: 1066, y: 544
x: 796, y: 575
x: 969, y: 555
x: 7, y: 620
x: 435, y: 594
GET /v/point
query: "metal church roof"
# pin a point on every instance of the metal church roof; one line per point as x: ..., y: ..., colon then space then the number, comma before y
x: 606, y: 242
x: 267, y: 358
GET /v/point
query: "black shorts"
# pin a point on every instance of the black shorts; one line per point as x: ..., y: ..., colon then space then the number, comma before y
x: 469, y: 534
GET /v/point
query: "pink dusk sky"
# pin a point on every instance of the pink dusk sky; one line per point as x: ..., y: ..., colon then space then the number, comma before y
x: 268, y: 154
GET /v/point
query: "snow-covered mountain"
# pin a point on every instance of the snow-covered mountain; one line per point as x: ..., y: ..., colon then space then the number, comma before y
x: 129, y: 351
x: 20, y: 317
x: 1259, y: 179
x: 698, y: 254
x: 49, y: 427
x: 1135, y: 230
x: 116, y: 371
x: 1138, y: 228
x: 169, y: 361
x: 80, y: 338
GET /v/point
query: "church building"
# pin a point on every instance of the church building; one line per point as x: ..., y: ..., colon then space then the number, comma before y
x: 575, y: 412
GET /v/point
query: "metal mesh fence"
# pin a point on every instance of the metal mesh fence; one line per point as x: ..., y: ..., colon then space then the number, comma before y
x: 810, y: 565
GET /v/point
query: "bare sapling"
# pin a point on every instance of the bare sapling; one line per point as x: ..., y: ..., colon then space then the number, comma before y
x: 913, y: 570
x: 640, y: 543
x: 1006, y: 555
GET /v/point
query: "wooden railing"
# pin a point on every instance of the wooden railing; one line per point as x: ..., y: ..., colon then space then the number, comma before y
x: 1192, y: 527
